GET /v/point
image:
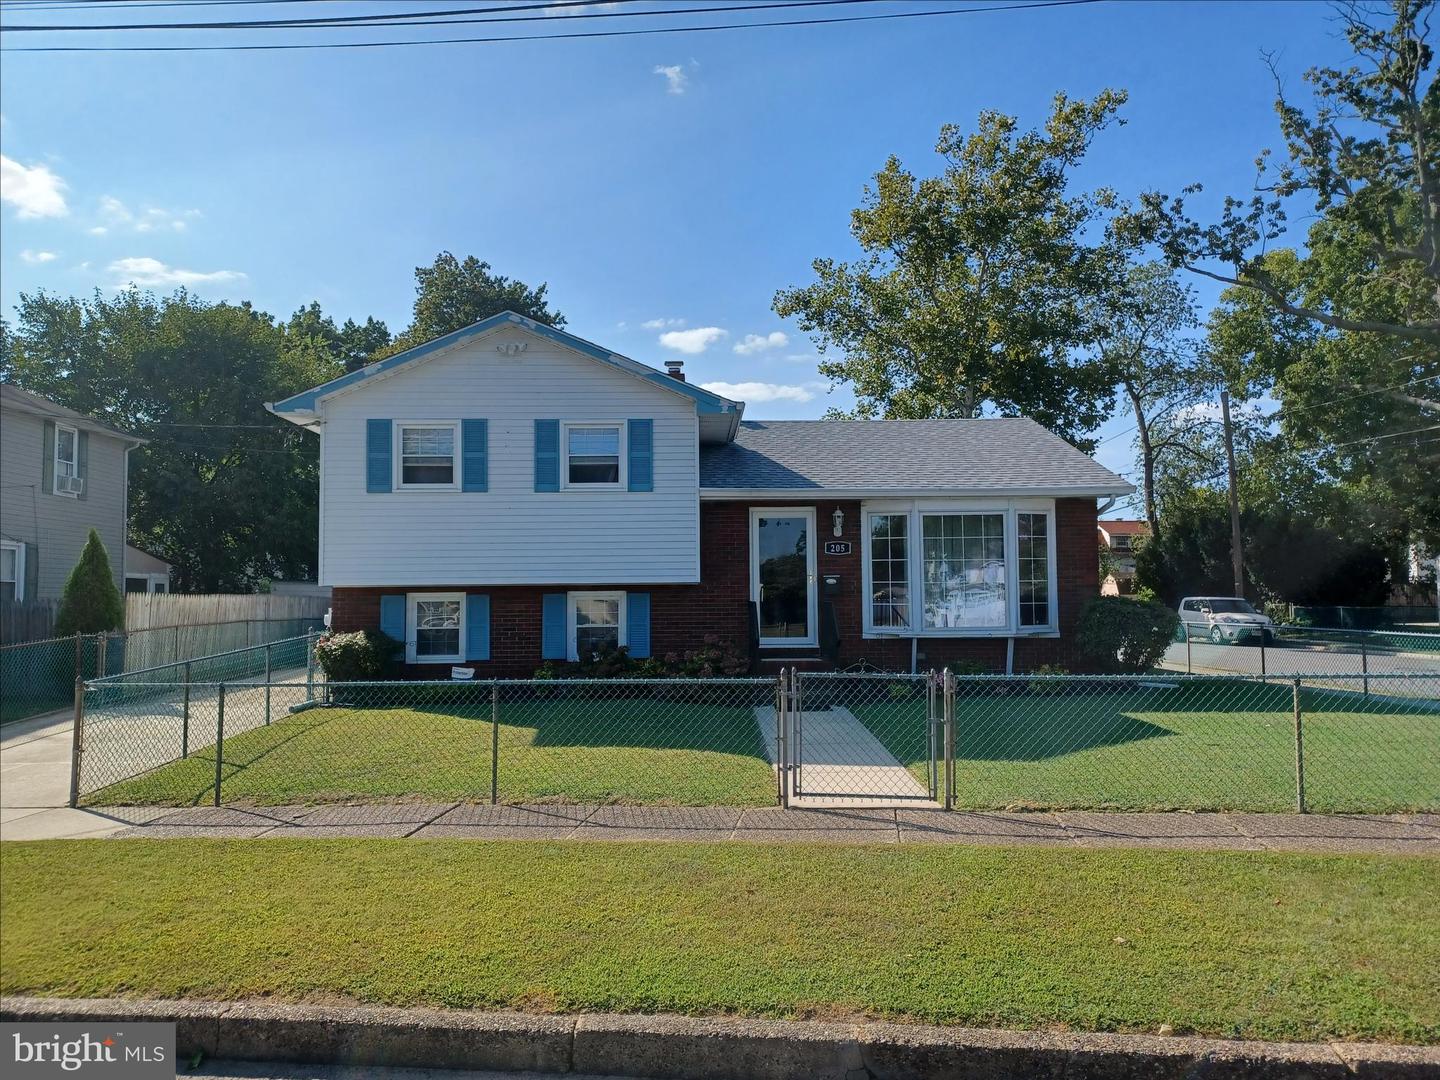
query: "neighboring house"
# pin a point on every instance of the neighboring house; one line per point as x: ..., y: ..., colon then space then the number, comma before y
x: 61, y: 474
x: 510, y: 493
x: 144, y: 573
x: 1120, y: 537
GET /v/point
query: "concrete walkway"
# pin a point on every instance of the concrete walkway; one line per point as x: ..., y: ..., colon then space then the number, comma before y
x: 1411, y: 834
x: 843, y: 764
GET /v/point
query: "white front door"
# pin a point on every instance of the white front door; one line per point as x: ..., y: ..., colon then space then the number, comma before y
x: 782, y: 574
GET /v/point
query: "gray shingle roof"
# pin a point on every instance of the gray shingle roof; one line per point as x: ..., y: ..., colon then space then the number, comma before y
x: 23, y: 400
x: 957, y: 456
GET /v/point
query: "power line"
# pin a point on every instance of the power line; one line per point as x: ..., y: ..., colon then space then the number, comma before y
x: 575, y: 35
x: 1286, y: 409
x: 333, y: 20
x: 319, y: 24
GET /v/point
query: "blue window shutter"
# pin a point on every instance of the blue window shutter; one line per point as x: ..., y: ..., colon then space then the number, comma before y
x: 477, y: 624
x: 554, y: 635
x: 378, y: 441
x: 475, y: 440
x: 637, y: 623
x: 547, y: 455
x: 642, y: 455
x: 392, y: 615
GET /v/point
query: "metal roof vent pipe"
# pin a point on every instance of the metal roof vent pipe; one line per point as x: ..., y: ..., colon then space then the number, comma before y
x: 675, y: 369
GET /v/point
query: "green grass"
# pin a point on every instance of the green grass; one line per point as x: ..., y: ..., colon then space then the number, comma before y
x: 1233, y: 944
x: 628, y: 751
x: 1202, y: 746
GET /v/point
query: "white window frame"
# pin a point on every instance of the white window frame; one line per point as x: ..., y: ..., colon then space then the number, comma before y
x: 74, y: 463
x: 622, y: 427
x: 19, y: 549
x: 916, y: 509
x: 151, y: 580
x: 399, y: 455
x: 412, y: 627
x: 572, y: 646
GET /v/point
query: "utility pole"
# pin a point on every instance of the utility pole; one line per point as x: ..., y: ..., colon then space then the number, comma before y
x: 1237, y: 560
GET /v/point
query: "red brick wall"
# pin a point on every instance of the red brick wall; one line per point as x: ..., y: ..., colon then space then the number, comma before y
x: 681, y: 615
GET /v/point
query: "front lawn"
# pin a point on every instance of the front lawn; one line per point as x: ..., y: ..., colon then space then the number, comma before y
x: 1232, y: 944
x: 631, y: 750
x: 1222, y: 745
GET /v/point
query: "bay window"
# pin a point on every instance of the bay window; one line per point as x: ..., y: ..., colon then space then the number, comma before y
x: 946, y: 570
x: 889, y: 570
x: 964, y: 570
x: 1033, y: 568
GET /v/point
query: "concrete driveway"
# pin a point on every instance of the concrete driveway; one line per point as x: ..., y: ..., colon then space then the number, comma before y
x: 35, y: 784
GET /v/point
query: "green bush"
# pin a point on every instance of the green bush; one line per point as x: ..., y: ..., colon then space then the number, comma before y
x: 358, y: 656
x: 90, y: 604
x: 1120, y: 635
x: 714, y: 658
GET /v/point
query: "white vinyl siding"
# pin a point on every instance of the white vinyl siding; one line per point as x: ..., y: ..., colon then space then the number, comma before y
x: 511, y: 534
x: 54, y: 530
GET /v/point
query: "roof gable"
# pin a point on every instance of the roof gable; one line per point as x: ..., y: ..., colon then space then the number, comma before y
x: 303, y: 406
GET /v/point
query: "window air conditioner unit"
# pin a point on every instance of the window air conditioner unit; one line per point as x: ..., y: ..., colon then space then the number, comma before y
x: 70, y: 485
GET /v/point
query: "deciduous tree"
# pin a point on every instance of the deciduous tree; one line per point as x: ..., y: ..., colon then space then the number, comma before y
x: 975, y: 286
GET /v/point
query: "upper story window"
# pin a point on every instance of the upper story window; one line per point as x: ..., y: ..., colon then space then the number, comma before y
x: 67, y: 460
x: 592, y: 455
x: 427, y: 455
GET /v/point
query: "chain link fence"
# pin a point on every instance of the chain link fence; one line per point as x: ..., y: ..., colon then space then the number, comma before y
x: 1307, y: 651
x: 1158, y: 742
x: 39, y: 676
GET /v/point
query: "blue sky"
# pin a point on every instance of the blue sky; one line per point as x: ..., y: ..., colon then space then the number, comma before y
x: 652, y: 201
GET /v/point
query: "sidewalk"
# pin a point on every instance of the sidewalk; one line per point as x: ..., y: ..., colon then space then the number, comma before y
x: 1417, y: 834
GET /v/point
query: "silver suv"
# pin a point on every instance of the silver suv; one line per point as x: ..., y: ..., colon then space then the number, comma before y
x: 1224, y: 619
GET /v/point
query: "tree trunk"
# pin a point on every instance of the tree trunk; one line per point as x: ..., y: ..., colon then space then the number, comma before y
x: 1147, y: 464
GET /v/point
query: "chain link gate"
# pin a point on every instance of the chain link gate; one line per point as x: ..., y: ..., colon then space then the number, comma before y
x: 863, y: 739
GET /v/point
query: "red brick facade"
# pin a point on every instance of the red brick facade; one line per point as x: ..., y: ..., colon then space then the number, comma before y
x: 681, y: 615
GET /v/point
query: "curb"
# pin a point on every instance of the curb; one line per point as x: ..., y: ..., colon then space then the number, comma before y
x: 713, y: 1048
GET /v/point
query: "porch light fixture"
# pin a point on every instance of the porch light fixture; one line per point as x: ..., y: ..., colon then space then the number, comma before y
x: 838, y: 518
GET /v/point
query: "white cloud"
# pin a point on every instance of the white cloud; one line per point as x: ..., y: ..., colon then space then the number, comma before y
x: 676, y: 80
x: 754, y: 343
x: 34, y: 257
x: 33, y: 190
x: 152, y: 272
x: 662, y: 324
x: 149, y: 220
x: 693, y: 341
x: 759, y: 392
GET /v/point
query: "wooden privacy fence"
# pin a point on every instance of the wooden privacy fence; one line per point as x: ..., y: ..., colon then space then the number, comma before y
x: 27, y: 620
x: 145, y: 611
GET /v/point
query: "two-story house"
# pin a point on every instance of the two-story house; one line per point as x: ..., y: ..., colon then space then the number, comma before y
x: 61, y: 474
x: 511, y: 493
